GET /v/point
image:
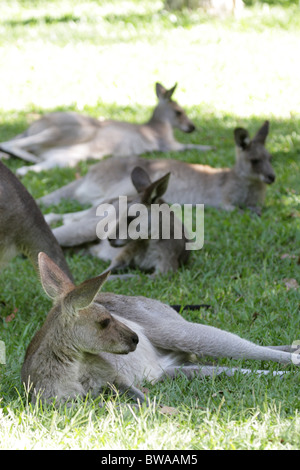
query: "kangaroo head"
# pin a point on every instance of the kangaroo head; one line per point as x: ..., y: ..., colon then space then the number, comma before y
x: 169, y: 110
x: 253, y: 160
x: 87, y: 326
x: 148, y: 193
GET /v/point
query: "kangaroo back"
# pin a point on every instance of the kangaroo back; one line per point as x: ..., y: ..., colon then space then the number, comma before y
x: 22, y: 226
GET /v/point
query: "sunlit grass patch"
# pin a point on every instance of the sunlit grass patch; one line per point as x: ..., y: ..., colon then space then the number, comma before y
x: 77, y: 54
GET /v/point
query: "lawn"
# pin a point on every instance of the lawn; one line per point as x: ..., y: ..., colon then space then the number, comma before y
x: 102, y: 58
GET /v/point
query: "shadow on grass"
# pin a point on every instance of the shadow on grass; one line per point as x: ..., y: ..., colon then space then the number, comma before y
x: 185, y: 19
x: 43, y: 20
x: 240, y: 271
x: 136, y: 20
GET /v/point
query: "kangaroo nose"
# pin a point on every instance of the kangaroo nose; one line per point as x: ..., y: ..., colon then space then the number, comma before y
x: 135, y: 339
x: 116, y: 242
x: 271, y: 179
x: 112, y: 241
x: 191, y: 128
x: 134, y: 342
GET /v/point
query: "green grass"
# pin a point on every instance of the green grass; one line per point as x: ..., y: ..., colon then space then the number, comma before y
x: 103, y: 58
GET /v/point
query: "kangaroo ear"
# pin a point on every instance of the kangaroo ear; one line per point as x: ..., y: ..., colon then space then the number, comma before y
x: 140, y: 179
x: 162, y: 93
x: 262, y: 133
x: 242, y: 138
x: 170, y: 92
x: 54, y: 281
x: 84, y: 294
x: 156, y: 190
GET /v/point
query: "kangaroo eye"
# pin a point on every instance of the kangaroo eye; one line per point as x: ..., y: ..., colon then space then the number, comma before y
x: 104, y: 323
x: 178, y: 113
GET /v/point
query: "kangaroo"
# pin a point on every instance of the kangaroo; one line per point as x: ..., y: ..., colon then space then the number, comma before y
x: 150, y: 251
x: 23, y: 228
x: 243, y: 185
x: 65, y: 138
x: 92, y: 339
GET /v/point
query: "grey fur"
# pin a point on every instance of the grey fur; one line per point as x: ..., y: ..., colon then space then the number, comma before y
x: 22, y: 226
x: 64, y: 138
x: 148, y: 254
x: 92, y: 339
x: 243, y: 185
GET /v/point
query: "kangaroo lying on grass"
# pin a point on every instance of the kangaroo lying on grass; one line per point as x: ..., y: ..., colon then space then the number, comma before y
x: 150, y: 251
x: 64, y: 138
x: 90, y: 340
x: 243, y: 185
x: 23, y: 228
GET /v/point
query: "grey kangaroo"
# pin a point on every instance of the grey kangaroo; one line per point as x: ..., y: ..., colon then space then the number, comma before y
x: 22, y: 226
x: 243, y: 185
x: 92, y: 339
x: 150, y: 251
x: 64, y: 138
